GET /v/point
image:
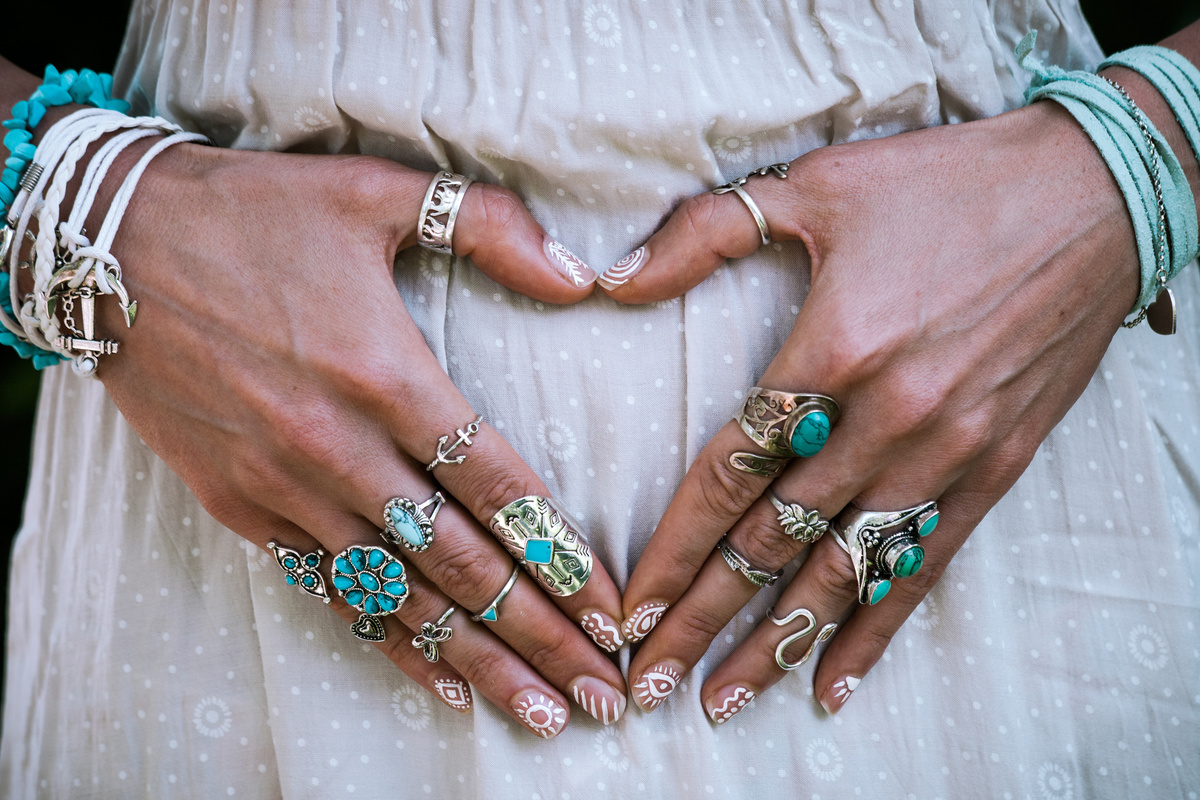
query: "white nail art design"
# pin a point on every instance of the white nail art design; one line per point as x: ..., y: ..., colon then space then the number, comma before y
x: 456, y: 693
x: 604, y: 711
x: 607, y: 636
x: 843, y: 689
x: 574, y: 267
x: 733, y: 704
x: 624, y: 270
x: 656, y: 684
x: 544, y: 717
x: 642, y: 620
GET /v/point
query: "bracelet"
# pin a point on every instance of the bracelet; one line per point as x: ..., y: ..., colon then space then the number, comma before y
x: 1151, y: 180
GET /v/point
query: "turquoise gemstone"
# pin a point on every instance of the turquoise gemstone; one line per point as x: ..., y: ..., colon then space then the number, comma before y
x: 909, y: 561
x: 879, y: 591
x: 369, y: 582
x: 291, y: 581
x: 387, y: 604
x: 342, y: 565
x: 15, y: 124
x: 343, y: 583
x: 929, y: 524
x: 21, y: 110
x: 52, y: 95
x: 407, y: 527
x: 354, y: 597
x: 19, y: 164
x: 811, y: 434
x: 26, y: 151
x: 289, y: 562
x: 394, y: 569
x: 14, y: 138
x: 395, y: 588
x: 358, y: 559
x: 312, y: 560
x: 371, y: 605
x: 376, y: 558
x: 6, y: 195
x: 489, y: 615
x: 10, y: 178
x: 539, y: 551
x: 309, y: 581
x: 36, y: 112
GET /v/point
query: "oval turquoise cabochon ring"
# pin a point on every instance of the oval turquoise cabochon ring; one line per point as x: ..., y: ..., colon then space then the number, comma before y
x: 811, y: 433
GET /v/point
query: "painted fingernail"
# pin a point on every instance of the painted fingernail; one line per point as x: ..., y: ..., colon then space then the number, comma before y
x: 623, y: 271
x: 603, y: 630
x: 454, y: 692
x: 839, y: 693
x: 727, y: 702
x: 572, y: 266
x: 599, y: 699
x: 655, y: 684
x: 642, y: 621
x: 543, y: 715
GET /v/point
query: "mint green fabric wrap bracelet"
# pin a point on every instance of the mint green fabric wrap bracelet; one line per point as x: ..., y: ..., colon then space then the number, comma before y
x: 1112, y: 123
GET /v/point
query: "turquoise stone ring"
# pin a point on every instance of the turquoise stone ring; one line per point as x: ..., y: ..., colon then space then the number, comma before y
x: 373, y: 581
x: 409, y: 525
x: 301, y: 570
x: 884, y: 545
x: 787, y: 424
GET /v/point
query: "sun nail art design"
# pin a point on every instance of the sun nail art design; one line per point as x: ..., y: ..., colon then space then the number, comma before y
x: 544, y: 717
x: 642, y: 621
x: 456, y: 693
x: 733, y: 704
x: 572, y: 265
x: 621, y: 272
x: 607, y: 636
x: 602, y: 710
x: 843, y: 689
x: 655, y: 685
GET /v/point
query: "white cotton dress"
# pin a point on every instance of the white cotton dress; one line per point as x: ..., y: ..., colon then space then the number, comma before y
x: 152, y: 653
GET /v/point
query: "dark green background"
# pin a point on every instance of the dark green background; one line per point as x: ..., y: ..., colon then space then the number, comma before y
x: 92, y: 40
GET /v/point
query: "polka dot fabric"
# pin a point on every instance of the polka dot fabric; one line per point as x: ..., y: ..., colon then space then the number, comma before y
x: 152, y: 654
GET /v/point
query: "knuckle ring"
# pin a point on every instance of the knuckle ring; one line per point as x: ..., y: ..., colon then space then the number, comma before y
x: 736, y: 186
x: 825, y: 633
x: 432, y: 634
x: 439, y: 211
x: 765, y: 466
x: 786, y: 424
x: 301, y: 570
x: 543, y: 539
x: 884, y: 545
x: 738, y: 563
x: 464, y: 438
x: 371, y: 580
x: 492, y: 612
x: 801, y: 525
x: 408, y: 524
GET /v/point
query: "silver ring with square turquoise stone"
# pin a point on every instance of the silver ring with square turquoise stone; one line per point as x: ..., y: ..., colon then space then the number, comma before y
x: 301, y: 569
x: 409, y: 525
x: 787, y: 424
x: 544, y: 539
x: 884, y: 545
x: 371, y: 580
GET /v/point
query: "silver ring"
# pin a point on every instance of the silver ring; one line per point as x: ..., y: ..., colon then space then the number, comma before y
x: 301, y: 570
x: 492, y: 612
x: 738, y: 563
x: 765, y: 466
x: 439, y: 211
x: 787, y: 424
x: 464, y: 438
x: 371, y: 580
x: 432, y: 634
x: 735, y: 186
x: 803, y: 526
x: 409, y: 525
x: 544, y: 539
x: 883, y: 545
x: 827, y: 631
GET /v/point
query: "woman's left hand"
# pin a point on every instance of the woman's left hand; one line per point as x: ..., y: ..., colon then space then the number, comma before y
x: 966, y: 281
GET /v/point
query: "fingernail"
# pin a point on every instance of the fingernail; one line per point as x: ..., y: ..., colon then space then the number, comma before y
x: 543, y: 715
x: 727, y: 702
x: 599, y: 699
x: 839, y: 693
x: 642, y: 621
x: 569, y: 264
x: 655, y: 684
x: 603, y: 630
x: 454, y: 692
x: 623, y: 271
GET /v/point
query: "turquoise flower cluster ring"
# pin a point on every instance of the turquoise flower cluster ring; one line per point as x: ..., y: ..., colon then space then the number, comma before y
x: 786, y: 424
x: 371, y: 580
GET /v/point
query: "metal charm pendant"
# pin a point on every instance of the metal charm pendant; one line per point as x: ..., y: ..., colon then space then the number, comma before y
x: 408, y: 524
x: 301, y: 570
x: 464, y: 437
x: 543, y: 539
x: 1161, y: 313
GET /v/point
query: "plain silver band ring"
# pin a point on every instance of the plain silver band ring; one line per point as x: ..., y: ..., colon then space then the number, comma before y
x: 763, y: 231
x: 492, y: 607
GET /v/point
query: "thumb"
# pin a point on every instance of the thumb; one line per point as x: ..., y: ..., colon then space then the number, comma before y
x: 698, y: 237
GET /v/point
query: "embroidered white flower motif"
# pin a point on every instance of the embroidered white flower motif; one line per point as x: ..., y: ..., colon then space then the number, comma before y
x: 609, y: 751
x: 601, y: 25
x: 1179, y: 514
x: 557, y: 438
x: 402, y: 5
x: 434, y: 267
x: 1148, y: 647
x: 1054, y: 782
x: 925, y: 616
x: 410, y: 707
x: 212, y: 717
x: 734, y: 149
x: 309, y: 119
x: 824, y: 759
x: 259, y: 560
x: 674, y: 301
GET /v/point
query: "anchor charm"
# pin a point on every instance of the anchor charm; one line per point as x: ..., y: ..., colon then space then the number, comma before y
x: 83, y: 344
x: 464, y: 437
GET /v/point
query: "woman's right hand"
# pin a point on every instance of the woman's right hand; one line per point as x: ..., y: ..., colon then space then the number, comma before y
x: 275, y: 369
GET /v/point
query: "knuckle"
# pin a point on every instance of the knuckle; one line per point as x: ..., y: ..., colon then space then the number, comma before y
x: 491, y: 488
x: 467, y: 575
x: 500, y: 207
x: 761, y: 540
x: 832, y: 574
x: 725, y: 492
x: 548, y: 652
x: 700, y: 214
x: 693, y: 624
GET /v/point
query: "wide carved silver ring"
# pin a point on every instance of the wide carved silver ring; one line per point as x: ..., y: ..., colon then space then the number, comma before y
x: 738, y: 563
x: 883, y: 545
x: 439, y: 211
x: 787, y: 424
x: 544, y: 539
